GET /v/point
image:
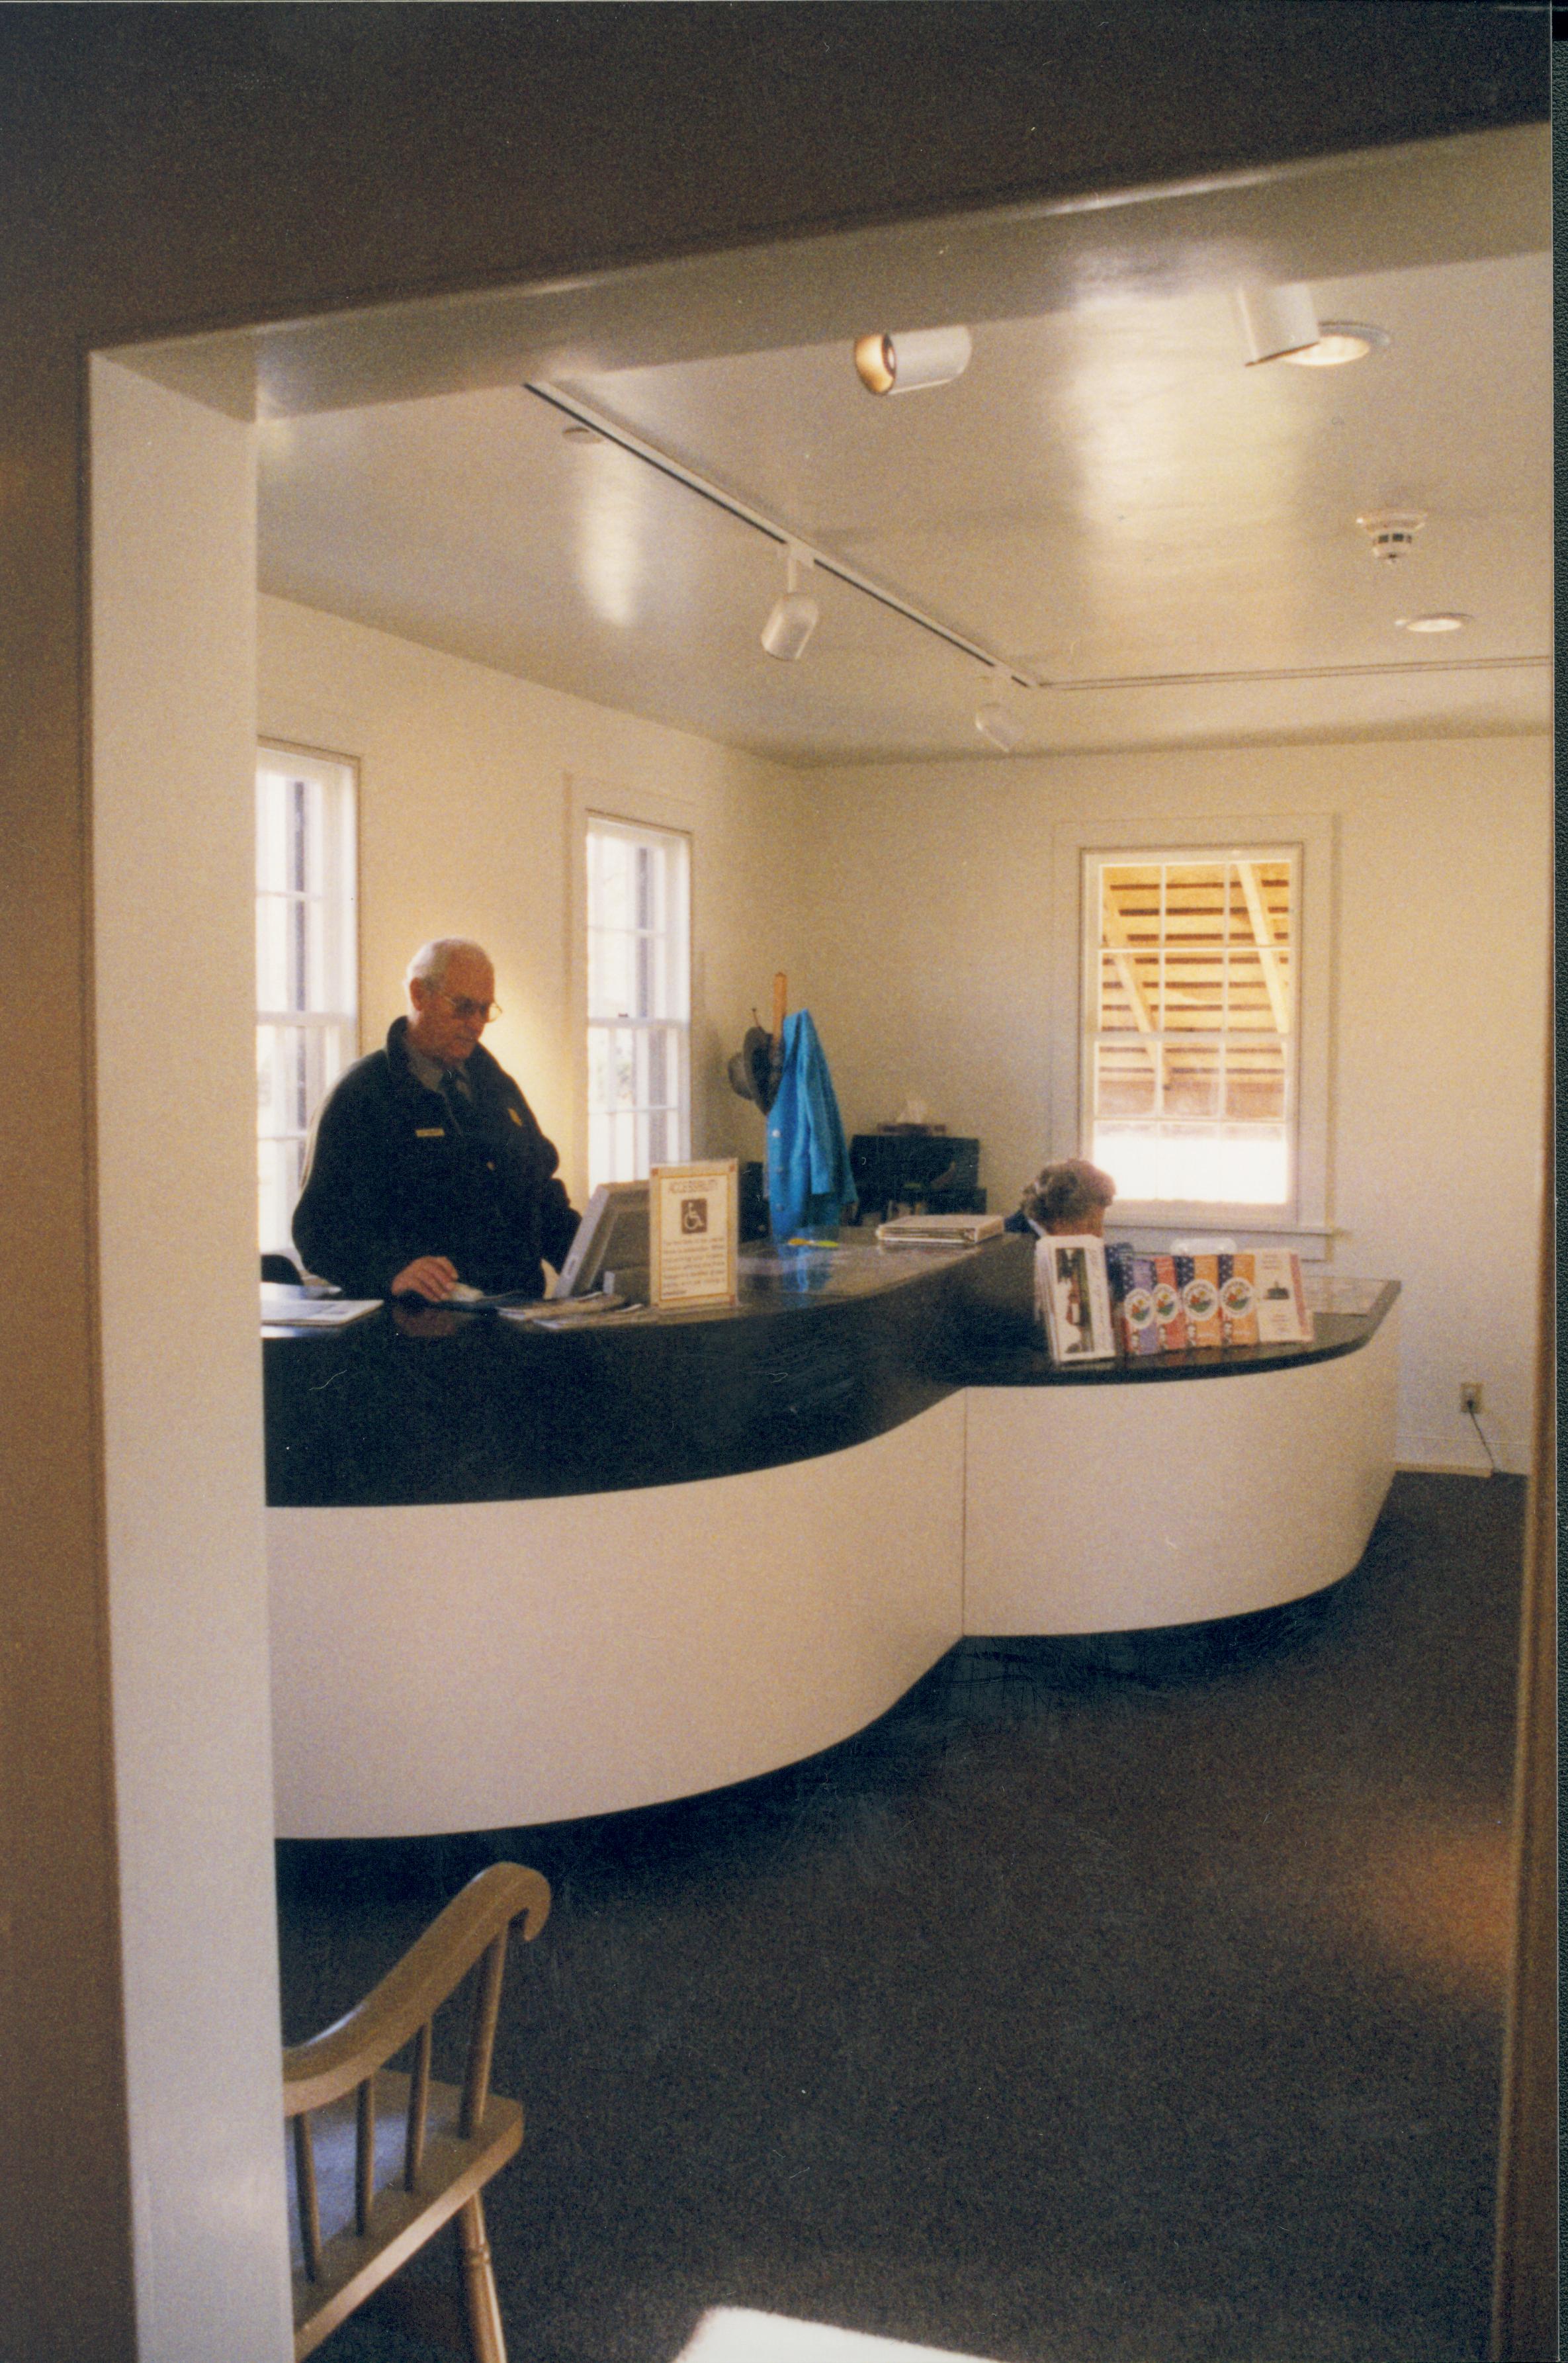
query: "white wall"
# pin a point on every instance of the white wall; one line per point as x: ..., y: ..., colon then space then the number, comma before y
x: 466, y: 783
x: 910, y: 905
x: 928, y: 895
x: 173, y: 869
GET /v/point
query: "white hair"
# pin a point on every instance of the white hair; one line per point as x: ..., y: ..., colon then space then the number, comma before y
x: 1069, y: 1192
x: 431, y: 961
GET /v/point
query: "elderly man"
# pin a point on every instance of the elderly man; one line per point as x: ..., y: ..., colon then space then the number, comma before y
x: 426, y: 1169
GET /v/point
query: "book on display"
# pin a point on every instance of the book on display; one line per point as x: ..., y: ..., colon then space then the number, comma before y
x: 1238, y: 1299
x: 1170, y: 1314
x: 1199, y: 1280
x: 1247, y: 1297
x: 1283, y: 1315
x: 1075, y: 1295
x: 1137, y: 1315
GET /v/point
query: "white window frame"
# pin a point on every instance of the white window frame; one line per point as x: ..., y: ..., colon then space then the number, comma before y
x: 1304, y: 1220
x: 335, y: 1018
x: 635, y: 824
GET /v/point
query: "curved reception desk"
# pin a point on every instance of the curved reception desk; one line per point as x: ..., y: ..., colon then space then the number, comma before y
x: 519, y: 1576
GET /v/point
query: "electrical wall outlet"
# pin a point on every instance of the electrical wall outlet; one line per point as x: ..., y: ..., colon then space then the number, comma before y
x: 1471, y: 1394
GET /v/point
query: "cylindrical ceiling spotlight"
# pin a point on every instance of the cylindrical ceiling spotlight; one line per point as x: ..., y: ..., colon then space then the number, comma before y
x: 793, y: 618
x: 995, y: 721
x: 1276, y: 321
x: 912, y: 357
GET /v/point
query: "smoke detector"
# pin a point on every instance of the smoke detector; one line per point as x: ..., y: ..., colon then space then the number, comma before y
x: 1391, y: 532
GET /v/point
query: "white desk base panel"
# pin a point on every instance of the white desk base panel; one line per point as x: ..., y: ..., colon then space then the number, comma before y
x: 492, y: 1664
x: 486, y: 1664
x: 1103, y: 1509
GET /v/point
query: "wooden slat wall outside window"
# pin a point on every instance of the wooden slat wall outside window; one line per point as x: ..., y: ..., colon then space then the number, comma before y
x: 1196, y: 993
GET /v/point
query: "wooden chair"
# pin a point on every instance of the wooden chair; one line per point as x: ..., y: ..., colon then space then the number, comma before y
x: 382, y: 2160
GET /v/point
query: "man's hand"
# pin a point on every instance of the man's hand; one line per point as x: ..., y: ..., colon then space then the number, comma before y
x: 432, y: 1277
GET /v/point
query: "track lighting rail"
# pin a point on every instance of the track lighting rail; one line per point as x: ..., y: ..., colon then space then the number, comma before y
x: 1303, y: 672
x: 677, y: 471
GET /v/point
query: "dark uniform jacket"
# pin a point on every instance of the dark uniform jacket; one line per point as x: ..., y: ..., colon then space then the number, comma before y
x: 396, y: 1171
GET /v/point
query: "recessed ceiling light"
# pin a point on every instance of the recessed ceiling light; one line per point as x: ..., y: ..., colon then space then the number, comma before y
x: 1447, y: 620
x: 1340, y: 341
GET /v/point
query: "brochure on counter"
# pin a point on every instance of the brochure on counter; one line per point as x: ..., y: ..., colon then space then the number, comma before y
x: 1243, y: 1297
x: 1075, y: 1296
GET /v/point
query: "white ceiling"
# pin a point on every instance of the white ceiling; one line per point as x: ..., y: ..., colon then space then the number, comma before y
x: 1109, y: 497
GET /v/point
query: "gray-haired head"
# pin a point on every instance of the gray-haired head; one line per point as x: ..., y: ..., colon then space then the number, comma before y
x: 431, y: 961
x: 1069, y: 1193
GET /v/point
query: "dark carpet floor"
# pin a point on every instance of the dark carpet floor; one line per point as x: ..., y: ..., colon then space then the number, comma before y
x: 1125, y: 2004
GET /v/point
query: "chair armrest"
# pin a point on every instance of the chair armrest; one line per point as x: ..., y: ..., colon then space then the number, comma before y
x: 345, y: 2054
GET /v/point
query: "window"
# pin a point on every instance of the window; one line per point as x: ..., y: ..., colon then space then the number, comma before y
x: 1192, y: 1051
x: 639, y: 963
x: 1190, y: 1046
x: 307, y: 962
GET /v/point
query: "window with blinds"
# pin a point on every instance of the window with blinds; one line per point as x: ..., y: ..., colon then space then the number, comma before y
x: 307, y: 962
x: 639, y: 1005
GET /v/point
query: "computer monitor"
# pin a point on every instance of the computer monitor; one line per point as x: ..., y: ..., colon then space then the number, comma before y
x: 612, y: 1240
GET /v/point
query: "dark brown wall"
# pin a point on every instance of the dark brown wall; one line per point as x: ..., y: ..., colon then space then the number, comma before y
x: 1526, y: 2295
x: 163, y: 167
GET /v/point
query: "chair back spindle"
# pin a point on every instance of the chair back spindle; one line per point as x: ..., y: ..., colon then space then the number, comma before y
x: 481, y: 2041
x: 310, y: 2206
x: 364, y: 2156
x: 418, y: 2109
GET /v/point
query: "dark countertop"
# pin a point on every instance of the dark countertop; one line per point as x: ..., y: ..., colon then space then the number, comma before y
x: 823, y: 1350
x: 1030, y: 1366
x: 826, y: 1350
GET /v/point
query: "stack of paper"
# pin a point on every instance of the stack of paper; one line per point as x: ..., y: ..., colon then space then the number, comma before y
x: 939, y: 1230
x: 291, y: 1308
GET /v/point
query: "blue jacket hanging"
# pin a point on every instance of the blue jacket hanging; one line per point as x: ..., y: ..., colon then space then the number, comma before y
x: 809, y: 1179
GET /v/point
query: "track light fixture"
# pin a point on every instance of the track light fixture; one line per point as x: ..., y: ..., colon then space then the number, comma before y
x: 995, y: 721
x: 1277, y: 321
x: 1281, y: 323
x: 913, y: 358
x: 793, y: 618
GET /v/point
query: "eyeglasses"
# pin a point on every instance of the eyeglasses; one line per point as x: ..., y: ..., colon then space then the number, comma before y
x: 461, y: 1006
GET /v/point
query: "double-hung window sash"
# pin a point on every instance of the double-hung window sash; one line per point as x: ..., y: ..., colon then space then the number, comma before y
x: 638, y: 999
x: 306, y: 963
